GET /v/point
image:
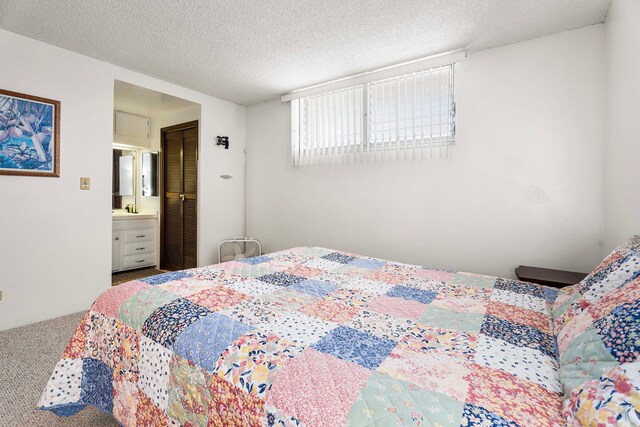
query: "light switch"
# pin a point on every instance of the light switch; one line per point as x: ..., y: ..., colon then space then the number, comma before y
x: 85, y: 183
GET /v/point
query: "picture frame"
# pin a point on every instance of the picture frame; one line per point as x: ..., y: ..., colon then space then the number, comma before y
x: 29, y: 135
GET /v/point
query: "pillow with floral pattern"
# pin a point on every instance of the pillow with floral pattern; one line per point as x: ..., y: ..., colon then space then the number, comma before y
x: 621, y: 266
x: 611, y: 400
x: 601, y: 337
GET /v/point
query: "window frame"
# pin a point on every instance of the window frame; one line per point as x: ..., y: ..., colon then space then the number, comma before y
x: 366, y: 144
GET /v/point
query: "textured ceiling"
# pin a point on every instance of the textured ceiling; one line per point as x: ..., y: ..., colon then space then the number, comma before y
x: 249, y: 51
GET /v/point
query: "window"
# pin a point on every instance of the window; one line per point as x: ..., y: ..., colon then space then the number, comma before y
x: 410, y: 114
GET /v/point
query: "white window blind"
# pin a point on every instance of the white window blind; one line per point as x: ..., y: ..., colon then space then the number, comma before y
x: 406, y: 116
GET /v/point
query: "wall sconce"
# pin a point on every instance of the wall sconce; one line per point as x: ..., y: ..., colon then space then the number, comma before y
x: 224, y: 141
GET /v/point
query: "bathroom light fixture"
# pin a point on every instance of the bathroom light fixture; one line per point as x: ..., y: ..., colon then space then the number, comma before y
x: 224, y: 141
x: 119, y: 146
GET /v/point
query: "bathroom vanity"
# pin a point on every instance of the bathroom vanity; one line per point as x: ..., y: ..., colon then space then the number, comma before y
x: 134, y: 240
x: 135, y: 236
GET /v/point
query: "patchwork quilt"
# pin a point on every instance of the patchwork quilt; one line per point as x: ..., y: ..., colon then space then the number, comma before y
x: 598, y: 334
x: 315, y: 337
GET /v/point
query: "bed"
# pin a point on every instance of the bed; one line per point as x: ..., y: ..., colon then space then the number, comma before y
x: 318, y: 337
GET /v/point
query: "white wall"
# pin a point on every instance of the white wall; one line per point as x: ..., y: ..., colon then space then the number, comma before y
x: 55, y: 240
x: 622, y: 132
x: 523, y: 184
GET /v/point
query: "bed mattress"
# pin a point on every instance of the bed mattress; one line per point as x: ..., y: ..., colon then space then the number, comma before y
x: 316, y: 337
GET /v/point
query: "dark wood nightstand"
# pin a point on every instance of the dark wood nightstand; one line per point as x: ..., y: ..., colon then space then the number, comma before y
x: 548, y: 277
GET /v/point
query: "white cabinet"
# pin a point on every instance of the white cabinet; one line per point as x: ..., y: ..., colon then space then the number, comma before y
x: 137, y: 261
x: 138, y: 248
x: 134, y: 243
x: 139, y: 235
x: 116, y: 248
x: 131, y: 129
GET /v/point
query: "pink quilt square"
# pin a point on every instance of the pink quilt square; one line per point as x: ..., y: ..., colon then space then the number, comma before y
x: 185, y: 287
x: 330, y: 310
x: 218, y: 298
x: 520, y: 315
x: 385, y: 276
x: 278, y: 264
x: 317, y: 388
x: 440, y: 276
x: 303, y: 271
x: 77, y: 345
x: 462, y: 304
x: 399, y: 307
x: 110, y: 301
x: 289, y: 299
x: 572, y: 329
x: 231, y: 266
x: 624, y: 294
x: 435, y: 372
x: 125, y: 401
x: 513, y: 398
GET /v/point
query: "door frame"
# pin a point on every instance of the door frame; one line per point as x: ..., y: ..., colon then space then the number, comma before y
x: 163, y: 132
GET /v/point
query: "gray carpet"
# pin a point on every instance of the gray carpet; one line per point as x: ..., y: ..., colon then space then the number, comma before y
x: 27, y: 358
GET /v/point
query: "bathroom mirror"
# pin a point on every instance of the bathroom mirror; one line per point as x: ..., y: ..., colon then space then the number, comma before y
x: 150, y: 174
x: 124, y: 173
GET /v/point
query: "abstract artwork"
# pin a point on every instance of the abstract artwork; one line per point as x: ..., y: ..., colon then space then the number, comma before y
x: 29, y: 135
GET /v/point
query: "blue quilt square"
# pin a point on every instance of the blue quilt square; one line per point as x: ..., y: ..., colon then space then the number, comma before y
x: 168, y: 321
x: 97, y: 384
x: 370, y: 264
x: 620, y: 331
x: 519, y: 335
x: 165, y: 277
x: 520, y: 287
x: 413, y: 294
x: 478, y: 416
x: 336, y: 257
x: 315, y: 288
x: 551, y: 294
x: 203, y: 341
x: 355, y: 346
x: 281, y: 279
x: 67, y: 410
x: 255, y: 260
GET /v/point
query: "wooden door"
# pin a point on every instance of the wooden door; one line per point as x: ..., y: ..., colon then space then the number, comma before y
x: 179, y: 222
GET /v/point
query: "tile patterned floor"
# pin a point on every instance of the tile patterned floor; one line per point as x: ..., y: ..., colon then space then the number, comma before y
x: 118, y: 278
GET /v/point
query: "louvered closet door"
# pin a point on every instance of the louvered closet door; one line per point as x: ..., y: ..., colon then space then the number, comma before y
x: 179, y: 216
x: 189, y: 205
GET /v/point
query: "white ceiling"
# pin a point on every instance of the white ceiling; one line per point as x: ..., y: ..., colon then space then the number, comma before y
x: 145, y: 102
x: 249, y: 51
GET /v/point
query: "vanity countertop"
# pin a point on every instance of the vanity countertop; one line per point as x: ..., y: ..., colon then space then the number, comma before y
x: 121, y: 214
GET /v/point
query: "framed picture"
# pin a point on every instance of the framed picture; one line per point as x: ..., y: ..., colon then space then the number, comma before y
x: 29, y: 135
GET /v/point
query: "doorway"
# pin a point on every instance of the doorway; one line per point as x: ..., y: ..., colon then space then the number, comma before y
x: 179, y: 221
